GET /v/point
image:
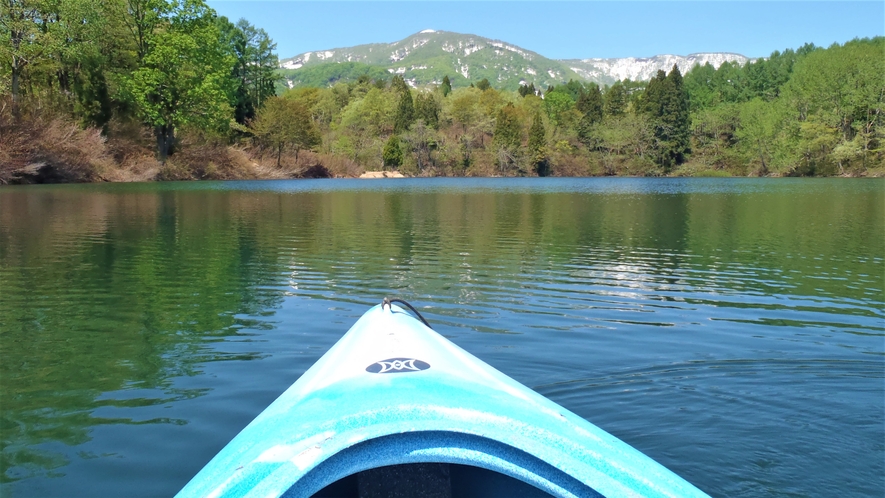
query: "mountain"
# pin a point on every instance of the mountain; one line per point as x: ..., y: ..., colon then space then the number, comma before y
x: 427, y: 56
x: 607, y: 71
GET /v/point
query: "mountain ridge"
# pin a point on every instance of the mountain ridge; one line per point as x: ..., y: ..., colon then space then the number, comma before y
x: 425, y: 57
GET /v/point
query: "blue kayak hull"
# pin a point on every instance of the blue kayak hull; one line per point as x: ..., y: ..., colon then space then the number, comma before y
x: 393, y: 392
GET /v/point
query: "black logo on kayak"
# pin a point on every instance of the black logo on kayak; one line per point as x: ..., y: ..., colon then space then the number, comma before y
x: 397, y: 365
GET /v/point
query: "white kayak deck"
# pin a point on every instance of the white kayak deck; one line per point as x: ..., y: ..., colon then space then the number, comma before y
x: 394, y: 392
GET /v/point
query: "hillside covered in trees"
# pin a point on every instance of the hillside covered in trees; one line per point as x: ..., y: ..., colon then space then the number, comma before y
x: 165, y: 89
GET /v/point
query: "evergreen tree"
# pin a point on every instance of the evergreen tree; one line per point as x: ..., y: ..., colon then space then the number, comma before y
x: 591, y: 106
x: 590, y: 101
x: 392, y: 155
x: 405, y: 110
x: 483, y: 84
x: 538, y: 147
x: 650, y: 103
x: 507, y: 128
x: 446, y: 86
x: 254, y: 75
x: 666, y: 103
x: 507, y: 135
x: 573, y: 89
x: 615, y: 100
x: 427, y: 108
x: 675, y: 120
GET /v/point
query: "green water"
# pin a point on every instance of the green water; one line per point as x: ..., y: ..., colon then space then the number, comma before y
x: 731, y: 329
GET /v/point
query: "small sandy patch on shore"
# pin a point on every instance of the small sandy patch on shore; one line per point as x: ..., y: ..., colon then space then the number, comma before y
x: 382, y: 174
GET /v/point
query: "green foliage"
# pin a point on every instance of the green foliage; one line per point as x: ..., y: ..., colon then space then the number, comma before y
x: 371, y: 115
x: 393, y: 153
x: 537, y: 147
x: 591, y: 106
x: 508, y: 136
x: 285, y: 123
x: 464, y: 108
x: 405, y: 110
x: 732, y: 83
x: 174, y: 64
x: 665, y: 102
x: 254, y: 74
x: 525, y: 90
x: 182, y: 76
x: 761, y: 136
x: 714, y: 138
x: 427, y: 109
x: 327, y: 75
x: 446, y: 86
x: 557, y: 105
x: 574, y: 90
x: 615, y: 100
x: 672, y: 126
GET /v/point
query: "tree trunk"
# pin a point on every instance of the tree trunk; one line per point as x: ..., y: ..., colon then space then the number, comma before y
x: 165, y: 141
x: 16, y: 83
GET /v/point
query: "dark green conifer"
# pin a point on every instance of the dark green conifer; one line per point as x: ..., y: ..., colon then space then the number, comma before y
x: 538, y: 147
x: 392, y: 155
x: 427, y: 108
x: 446, y: 86
x: 483, y: 84
x: 590, y: 103
x: 665, y: 101
x: 591, y: 106
x: 673, y: 130
x: 650, y: 103
x: 405, y: 110
x: 507, y: 129
x: 615, y: 100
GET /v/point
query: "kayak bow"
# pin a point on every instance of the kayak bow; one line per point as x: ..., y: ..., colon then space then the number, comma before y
x: 393, y: 393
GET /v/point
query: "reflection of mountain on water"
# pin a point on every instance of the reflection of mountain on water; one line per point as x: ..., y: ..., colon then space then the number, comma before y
x: 120, y: 304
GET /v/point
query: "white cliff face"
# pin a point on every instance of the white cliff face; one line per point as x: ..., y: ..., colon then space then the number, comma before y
x: 640, y: 69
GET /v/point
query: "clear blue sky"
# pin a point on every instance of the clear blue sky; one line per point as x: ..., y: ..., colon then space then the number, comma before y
x: 568, y: 30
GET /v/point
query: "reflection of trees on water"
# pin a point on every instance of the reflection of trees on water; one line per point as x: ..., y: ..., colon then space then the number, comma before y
x: 104, y: 292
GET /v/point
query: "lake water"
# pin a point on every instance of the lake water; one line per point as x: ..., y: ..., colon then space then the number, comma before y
x: 731, y: 329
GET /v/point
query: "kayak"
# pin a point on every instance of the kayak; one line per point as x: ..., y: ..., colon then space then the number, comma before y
x: 395, y: 409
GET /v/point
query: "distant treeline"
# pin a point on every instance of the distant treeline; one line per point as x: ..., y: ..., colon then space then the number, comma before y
x: 812, y: 111
x: 127, y: 77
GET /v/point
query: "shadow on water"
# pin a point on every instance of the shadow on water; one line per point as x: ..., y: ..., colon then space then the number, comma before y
x: 696, y: 305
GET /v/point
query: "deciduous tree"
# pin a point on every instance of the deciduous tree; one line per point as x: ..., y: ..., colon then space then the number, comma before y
x: 183, y: 75
x: 285, y: 123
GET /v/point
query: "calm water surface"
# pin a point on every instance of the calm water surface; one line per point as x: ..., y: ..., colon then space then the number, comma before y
x: 730, y: 329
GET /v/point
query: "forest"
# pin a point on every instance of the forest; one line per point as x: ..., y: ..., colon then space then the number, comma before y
x: 136, y: 90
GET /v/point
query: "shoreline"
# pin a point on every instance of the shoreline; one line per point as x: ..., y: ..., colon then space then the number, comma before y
x: 55, y: 179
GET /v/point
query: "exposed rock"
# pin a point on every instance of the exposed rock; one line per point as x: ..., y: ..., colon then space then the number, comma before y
x: 316, y: 171
x: 39, y: 172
